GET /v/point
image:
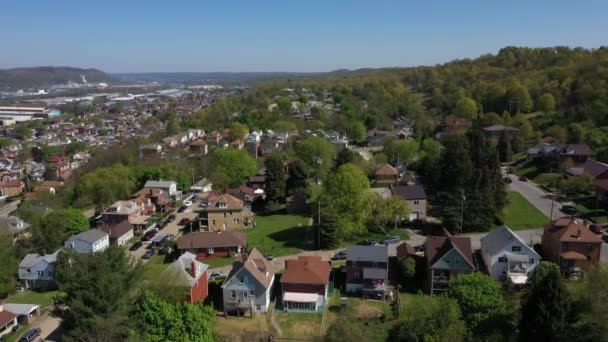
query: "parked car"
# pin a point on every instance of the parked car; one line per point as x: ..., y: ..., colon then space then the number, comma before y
x: 169, y: 237
x: 136, y: 246
x: 507, y: 180
x: 509, y: 170
x: 30, y: 335
x: 149, y: 253
x: 184, y: 222
x: 215, y: 275
x: 391, y: 240
x: 269, y: 257
x: 341, y: 255
x: 171, y: 218
x: 161, y: 225
x: 187, y: 203
x: 569, y: 209
x: 149, y: 235
x: 523, y: 178
x: 597, y: 229
x: 182, y: 209
x: 367, y: 243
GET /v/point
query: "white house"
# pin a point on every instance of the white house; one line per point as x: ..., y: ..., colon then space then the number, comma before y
x: 168, y: 187
x: 37, y: 271
x: 507, y: 256
x: 8, y: 321
x: 88, y: 242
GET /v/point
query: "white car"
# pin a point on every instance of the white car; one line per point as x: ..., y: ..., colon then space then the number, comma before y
x: 188, y: 203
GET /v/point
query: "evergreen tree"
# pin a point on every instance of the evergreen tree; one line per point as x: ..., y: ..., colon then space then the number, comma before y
x: 546, y: 313
x: 504, y: 148
x: 275, y: 184
x: 298, y: 175
x: 345, y: 156
x: 328, y: 231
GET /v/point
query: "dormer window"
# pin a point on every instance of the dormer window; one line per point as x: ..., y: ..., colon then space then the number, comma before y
x: 516, y: 249
x: 222, y: 204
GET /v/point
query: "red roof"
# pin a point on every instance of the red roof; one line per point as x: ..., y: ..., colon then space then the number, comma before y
x: 437, y: 246
x: 306, y: 270
x: 6, y: 317
x: 55, y: 159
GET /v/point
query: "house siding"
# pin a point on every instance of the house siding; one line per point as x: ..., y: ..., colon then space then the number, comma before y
x: 261, y: 296
x: 200, y: 289
x: 32, y: 279
x: 498, y: 269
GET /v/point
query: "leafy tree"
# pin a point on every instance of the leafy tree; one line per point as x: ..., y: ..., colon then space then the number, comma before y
x: 407, y: 269
x: 576, y: 185
x: 298, y: 175
x: 592, y: 325
x: 237, y: 131
x: 519, y: 99
x: 345, y: 194
x: 237, y: 165
x: 23, y: 132
x: 430, y: 149
x: 386, y: 212
x: 576, y: 132
x: 96, y: 292
x: 345, y: 156
x: 357, y: 131
x: 466, y: 108
x: 329, y: 229
x: 546, y: 103
x: 57, y: 226
x: 5, y: 142
x: 546, y: 313
x: 436, y: 319
x: 318, y: 155
x: 275, y: 185
x: 504, y: 148
x: 480, y: 299
x: 159, y: 320
x: 106, y: 185
x: 404, y: 151
x: 8, y: 266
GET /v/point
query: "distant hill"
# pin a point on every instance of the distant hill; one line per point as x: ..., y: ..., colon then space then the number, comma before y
x: 39, y: 77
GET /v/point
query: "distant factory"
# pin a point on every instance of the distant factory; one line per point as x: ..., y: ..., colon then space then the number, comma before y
x: 11, y: 115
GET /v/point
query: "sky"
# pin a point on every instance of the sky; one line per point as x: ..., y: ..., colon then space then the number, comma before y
x: 298, y: 36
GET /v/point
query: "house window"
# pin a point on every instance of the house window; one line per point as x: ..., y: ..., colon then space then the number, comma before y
x: 222, y: 205
x: 242, y: 280
x: 213, y: 222
x: 29, y: 270
x: 40, y: 273
x: 456, y: 261
x: 502, y: 259
x: 251, y: 294
x: 357, y: 275
x: 531, y: 261
x: 258, y: 308
x: 236, y: 221
x: 210, y: 251
x: 50, y: 273
x: 447, y: 260
x: 416, y: 202
x: 516, y: 249
x: 233, y: 294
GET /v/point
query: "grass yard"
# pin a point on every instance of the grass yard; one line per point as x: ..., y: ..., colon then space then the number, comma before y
x: 299, y: 326
x: 281, y: 234
x: 33, y: 297
x: 521, y: 214
x: 240, y: 328
x: 13, y: 337
x: 154, y: 267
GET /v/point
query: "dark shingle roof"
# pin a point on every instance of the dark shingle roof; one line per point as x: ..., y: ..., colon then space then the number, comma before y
x: 437, y: 246
x: 212, y: 240
x: 410, y: 192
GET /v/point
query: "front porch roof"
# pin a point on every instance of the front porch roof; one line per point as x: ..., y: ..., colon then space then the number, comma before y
x: 572, y: 255
x: 512, y: 257
x: 300, y: 297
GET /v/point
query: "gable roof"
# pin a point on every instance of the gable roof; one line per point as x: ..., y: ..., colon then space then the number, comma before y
x: 256, y: 265
x: 500, y: 128
x: 212, y: 240
x: 367, y: 253
x: 574, y: 149
x: 496, y: 240
x: 570, y: 229
x: 180, y: 270
x: 32, y: 259
x: 232, y: 203
x: 6, y: 317
x: 386, y: 169
x: 117, y: 230
x: 405, y: 250
x: 594, y: 168
x: 90, y: 236
x: 409, y: 192
x: 306, y: 270
x: 437, y: 246
x: 158, y: 184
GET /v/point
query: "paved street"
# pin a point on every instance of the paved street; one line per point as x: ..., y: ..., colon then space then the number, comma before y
x: 536, y: 196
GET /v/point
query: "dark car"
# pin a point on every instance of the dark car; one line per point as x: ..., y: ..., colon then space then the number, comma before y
x: 185, y: 221
x: 597, y: 229
x: 182, y: 209
x: 569, y: 209
x: 136, y: 246
x: 339, y: 256
x: 171, y: 218
x: 149, y: 253
x: 149, y: 235
x: 367, y: 243
x: 523, y: 178
x: 30, y: 335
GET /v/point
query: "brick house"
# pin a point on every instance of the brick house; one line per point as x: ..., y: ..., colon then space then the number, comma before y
x: 575, y: 154
x: 199, y: 146
x: 226, y: 212
x: 305, y: 283
x: 569, y: 243
x: 386, y: 174
x: 211, y: 245
x: 11, y: 188
x: 446, y: 258
x: 121, y: 211
x: 367, y: 270
x: 186, y: 271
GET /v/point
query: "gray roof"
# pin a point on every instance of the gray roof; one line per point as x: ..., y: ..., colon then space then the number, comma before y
x: 367, y: 253
x: 30, y: 260
x: 158, y: 184
x: 90, y: 236
x: 374, y: 273
x: 409, y: 192
x: 496, y: 240
x: 20, y: 309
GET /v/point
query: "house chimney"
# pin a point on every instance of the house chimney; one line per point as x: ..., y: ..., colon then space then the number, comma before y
x: 193, y: 269
x: 578, y: 234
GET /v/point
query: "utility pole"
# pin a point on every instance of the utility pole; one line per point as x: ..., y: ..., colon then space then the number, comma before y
x: 319, y: 226
x: 462, y: 209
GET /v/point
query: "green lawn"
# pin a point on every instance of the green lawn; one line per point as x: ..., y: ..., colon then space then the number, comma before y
x: 154, y: 267
x: 12, y: 337
x: 298, y: 325
x: 33, y: 297
x: 521, y: 214
x: 280, y: 234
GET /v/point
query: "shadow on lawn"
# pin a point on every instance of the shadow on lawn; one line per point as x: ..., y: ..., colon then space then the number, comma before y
x: 303, y: 237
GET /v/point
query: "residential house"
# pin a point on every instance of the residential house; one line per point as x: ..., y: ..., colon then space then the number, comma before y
x: 446, y: 258
x: 157, y: 197
x: 120, y: 233
x: 122, y: 211
x: 168, y: 187
x: 188, y: 272
x: 416, y: 199
x: 452, y: 125
x: 496, y: 131
x: 199, y: 146
x: 305, y: 284
x: 244, y: 193
x: 49, y: 186
x: 213, y: 138
x: 386, y: 174
x: 367, y: 270
x: 11, y: 188
x: 88, y: 242
x: 569, y: 243
x: 225, y: 212
x: 14, y: 226
x: 572, y: 154
x: 376, y: 138
x: 150, y: 151
x: 8, y: 321
x: 171, y: 142
x: 269, y: 145
x: 38, y: 271
x: 145, y: 202
x: 595, y: 169
x: 60, y: 166
x: 35, y: 170
x: 545, y: 148
x: 211, y: 245
x: 257, y: 181
x: 404, y: 250
x: 507, y: 256
x: 248, y: 286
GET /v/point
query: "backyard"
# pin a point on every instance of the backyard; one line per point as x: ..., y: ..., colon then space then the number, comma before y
x: 33, y: 297
x: 521, y: 214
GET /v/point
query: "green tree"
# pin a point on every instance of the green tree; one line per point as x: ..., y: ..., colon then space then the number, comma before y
x: 345, y: 156
x: 430, y: 149
x: 432, y: 319
x: 23, y: 131
x: 519, y: 99
x: 576, y: 132
x: 504, y: 148
x: 545, y: 103
x: 386, y: 212
x: 481, y: 302
x: 357, y: 131
x: 5, y: 142
x: 237, y: 131
x: 546, y: 311
x: 345, y: 194
x: 275, y: 185
x: 576, y: 185
x: 96, y: 292
x: 298, y: 178
x: 466, y: 108
x: 8, y: 266
x: 105, y: 185
x: 318, y: 155
x: 57, y: 226
x: 237, y: 165
x: 404, y: 151
x: 328, y: 230
x: 407, y: 269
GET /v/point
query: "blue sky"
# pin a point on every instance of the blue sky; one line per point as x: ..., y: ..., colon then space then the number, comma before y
x: 224, y: 35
